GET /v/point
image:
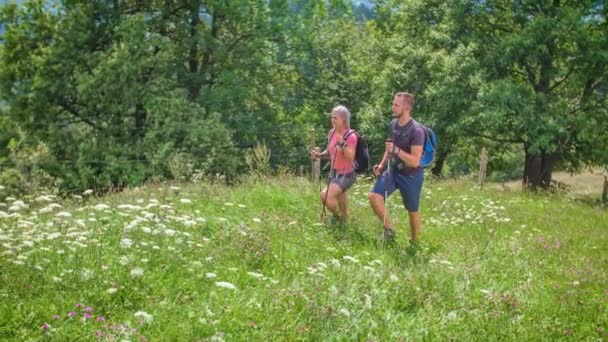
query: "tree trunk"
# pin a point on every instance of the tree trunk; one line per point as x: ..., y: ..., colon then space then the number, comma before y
x: 538, y: 170
x: 193, y: 56
x: 439, y: 162
x: 140, y: 120
x: 442, y: 154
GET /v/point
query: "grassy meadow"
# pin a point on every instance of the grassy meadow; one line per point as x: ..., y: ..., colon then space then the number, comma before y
x: 199, y: 262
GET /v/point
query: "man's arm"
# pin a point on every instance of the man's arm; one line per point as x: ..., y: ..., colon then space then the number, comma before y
x: 410, y: 159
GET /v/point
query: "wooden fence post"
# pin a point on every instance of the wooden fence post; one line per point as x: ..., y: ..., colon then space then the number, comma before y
x: 315, y: 165
x: 605, y: 192
x: 483, y: 164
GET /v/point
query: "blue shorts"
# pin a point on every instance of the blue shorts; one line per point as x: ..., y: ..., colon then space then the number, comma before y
x: 409, y: 185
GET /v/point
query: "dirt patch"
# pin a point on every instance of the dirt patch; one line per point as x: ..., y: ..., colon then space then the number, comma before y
x: 588, y: 183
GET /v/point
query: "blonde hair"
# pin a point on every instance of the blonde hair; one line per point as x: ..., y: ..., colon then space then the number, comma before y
x: 344, y: 113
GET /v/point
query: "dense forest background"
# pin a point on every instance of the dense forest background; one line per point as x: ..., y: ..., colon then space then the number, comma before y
x: 105, y: 94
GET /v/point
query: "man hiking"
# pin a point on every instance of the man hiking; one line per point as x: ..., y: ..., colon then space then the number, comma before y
x: 401, y: 166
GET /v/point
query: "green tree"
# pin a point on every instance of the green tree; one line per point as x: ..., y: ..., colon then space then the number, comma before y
x: 425, y: 51
x: 546, y: 85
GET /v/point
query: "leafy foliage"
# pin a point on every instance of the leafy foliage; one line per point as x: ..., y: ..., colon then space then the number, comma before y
x: 118, y: 90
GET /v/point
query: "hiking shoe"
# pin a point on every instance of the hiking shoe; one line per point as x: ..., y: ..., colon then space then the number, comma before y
x: 336, y: 220
x: 414, y: 248
x: 388, y: 236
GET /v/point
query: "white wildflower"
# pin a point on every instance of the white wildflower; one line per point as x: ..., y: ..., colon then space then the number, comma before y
x: 344, y: 312
x: 137, y: 272
x: 63, y: 214
x: 210, y: 275
x: 255, y: 275
x: 43, y: 198
x: 102, y: 206
x: 225, y: 285
x: 124, y: 260
x: 143, y: 317
x: 86, y: 274
x: 15, y: 208
x: 367, y: 301
x: 351, y: 259
x: 126, y: 243
x: 128, y: 207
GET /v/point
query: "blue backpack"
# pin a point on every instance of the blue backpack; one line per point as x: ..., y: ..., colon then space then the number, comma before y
x: 429, y: 149
x: 361, y: 151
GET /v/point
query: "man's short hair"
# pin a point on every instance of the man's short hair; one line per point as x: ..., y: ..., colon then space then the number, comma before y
x: 407, y: 98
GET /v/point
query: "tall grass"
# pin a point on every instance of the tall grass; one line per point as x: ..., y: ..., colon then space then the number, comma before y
x: 254, y: 262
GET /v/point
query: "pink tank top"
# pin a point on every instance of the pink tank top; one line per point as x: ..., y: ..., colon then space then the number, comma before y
x: 342, y: 165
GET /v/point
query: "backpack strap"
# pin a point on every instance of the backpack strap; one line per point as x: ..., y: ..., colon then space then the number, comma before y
x: 393, y: 127
x: 348, y: 133
x: 409, y: 131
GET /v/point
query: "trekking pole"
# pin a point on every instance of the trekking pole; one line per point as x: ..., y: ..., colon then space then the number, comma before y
x: 331, y: 170
x: 386, y: 184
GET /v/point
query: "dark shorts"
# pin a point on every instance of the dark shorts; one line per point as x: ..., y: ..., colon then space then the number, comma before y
x: 344, y: 181
x: 409, y: 185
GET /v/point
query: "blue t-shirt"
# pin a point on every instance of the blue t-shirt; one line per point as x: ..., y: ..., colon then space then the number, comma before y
x: 404, y: 137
